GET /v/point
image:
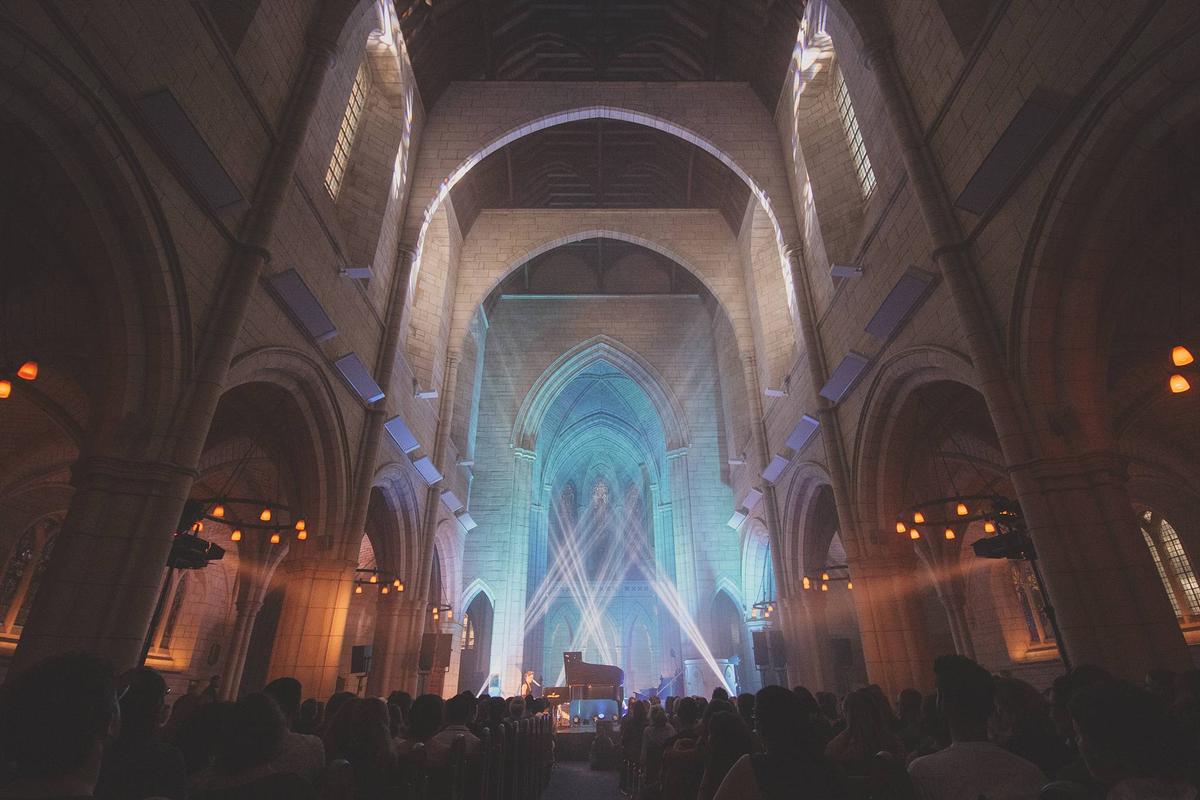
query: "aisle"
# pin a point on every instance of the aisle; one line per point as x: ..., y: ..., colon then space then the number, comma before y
x: 573, y: 780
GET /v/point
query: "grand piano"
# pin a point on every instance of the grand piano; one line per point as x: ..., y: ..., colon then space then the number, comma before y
x: 594, y: 691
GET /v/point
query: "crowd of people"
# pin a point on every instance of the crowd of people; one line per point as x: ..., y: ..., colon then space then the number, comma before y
x: 71, y: 728
x: 1091, y: 736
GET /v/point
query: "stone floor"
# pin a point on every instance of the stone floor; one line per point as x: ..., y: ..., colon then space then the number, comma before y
x: 574, y: 780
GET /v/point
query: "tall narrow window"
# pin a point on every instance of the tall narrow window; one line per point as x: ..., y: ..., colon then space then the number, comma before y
x: 346, y: 133
x: 1174, y: 568
x: 858, y: 150
x: 1033, y: 604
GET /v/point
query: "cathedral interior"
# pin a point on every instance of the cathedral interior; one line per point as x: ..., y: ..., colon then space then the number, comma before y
x: 409, y: 344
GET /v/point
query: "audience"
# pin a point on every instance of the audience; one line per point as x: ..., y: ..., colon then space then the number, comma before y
x: 971, y: 766
x: 69, y: 730
x: 137, y: 763
x: 251, y: 737
x: 54, y: 720
x: 301, y: 754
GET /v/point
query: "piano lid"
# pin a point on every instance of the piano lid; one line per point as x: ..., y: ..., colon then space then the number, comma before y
x: 581, y: 673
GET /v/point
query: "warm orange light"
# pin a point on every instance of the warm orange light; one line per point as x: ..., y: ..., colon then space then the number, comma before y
x: 28, y: 371
x: 918, y: 518
x: 1179, y: 384
x: 824, y: 587
x: 236, y: 536
x: 950, y: 536
x: 400, y: 586
x: 300, y: 525
x: 754, y: 613
x: 435, y: 612
x: 989, y: 527
x: 5, y: 389
x: 383, y: 590
x: 218, y: 511
x: 824, y: 576
x: 770, y: 607
x: 198, y: 526
x: 374, y: 579
x: 1180, y: 356
x: 358, y: 589
x: 301, y: 535
x: 450, y: 613
x: 265, y: 516
x: 901, y: 527
x: 397, y: 584
x: 914, y: 534
x: 806, y: 583
x: 962, y: 510
x: 274, y: 538
x: 850, y: 585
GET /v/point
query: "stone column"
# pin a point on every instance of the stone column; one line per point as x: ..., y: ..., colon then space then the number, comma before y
x: 508, y: 640
x: 385, y: 653
x: 257, y: 560
x: 117, y: 534
x: 895, y: 647
x: 685, y: 544
x: 102, y: 583
x: 1099, y: 574
x: 942, y: 559
x: 1093, y: 559
x: 312, y: 625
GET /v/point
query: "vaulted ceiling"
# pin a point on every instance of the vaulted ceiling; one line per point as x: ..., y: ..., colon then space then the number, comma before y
x: 600, y: 40
x: 600, y: 164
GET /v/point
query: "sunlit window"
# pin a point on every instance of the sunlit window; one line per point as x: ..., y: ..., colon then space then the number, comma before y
x: 858, y: 150
x: 346, y: 133
x: 1174, y: 568
x: 1032, y: 602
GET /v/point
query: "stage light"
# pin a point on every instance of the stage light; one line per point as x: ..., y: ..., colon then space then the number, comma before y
x: 1180, y: 356
x: 950, y: 534
x: 962, y: 510
x: 236, y: 536
x: 218, y: 511
x: 918, y: 518
x: 275, y: 538
x: 265, y: 515
x: 1179, y: 384
x: 901, y: 527
x: 29, y: 371
x: 5, y: 389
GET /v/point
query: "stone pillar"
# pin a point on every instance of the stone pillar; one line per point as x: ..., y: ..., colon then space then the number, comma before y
x: 1097, y: 577
x: 385, y: 647
x: 685, y: 542
x: 508, y: 639
x: 942, y: 558
x: 1099, y: 574
x: 312, y: 625
x: 812, y: 634
x: 257, y: 560
x: 102, y: 583
x: 895, y: 646
x: 410, y: 624
x: 117, y: 534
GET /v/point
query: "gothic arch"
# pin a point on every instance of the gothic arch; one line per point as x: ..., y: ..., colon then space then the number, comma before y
x: 574, y: 362
x: 392, y: 481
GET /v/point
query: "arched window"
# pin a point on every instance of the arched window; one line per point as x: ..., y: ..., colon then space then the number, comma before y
x: 347, y: 131
x: 858, y: 149
x: 172, y: 620
x: 1174, y: 568
x: 23, y: 573
x: 1032, y: 603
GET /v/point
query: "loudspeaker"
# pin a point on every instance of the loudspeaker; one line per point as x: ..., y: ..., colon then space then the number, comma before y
x: 425, y: 658
x: 435, y: 651
x: 360, y: 659
x: 762, y: 654
x: 778, y: 653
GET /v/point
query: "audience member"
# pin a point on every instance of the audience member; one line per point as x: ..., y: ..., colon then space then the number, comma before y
x: 197, y: 738
x: 867, y: 733
x: 424, y: 720
x: 1021, y: 724
x: 339, y: 728
x: 828, y: 703
x: 632, y: 728
x: 1130, y: 744
x: 819, y: 728
x: 301, y: 754
x: 311, y: 717
x: 370, y: 748
x: 728, y: 740
x: 459, y: 710
x: 788, y: 769
x: 745, y: 708
x: 138, y: 763
x: 908, y: 710
x: 719, y: 693
x: 653, y: 738
x: 54, y: 719
x: 250, y: 740
x: 971, y: 766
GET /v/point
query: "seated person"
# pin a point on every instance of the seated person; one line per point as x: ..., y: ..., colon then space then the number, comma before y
x: 301, y: 754
x: 458, y: 713
x: 54, y: 720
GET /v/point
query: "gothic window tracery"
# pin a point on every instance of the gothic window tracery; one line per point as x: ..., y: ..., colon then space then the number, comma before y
x: 1174, y: 568
x: 1032, y: 603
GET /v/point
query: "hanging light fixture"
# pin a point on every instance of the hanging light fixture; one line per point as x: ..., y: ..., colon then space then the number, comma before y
x: 301, y: 535
x: 29, y: 371
x: 236, y: 536
x: 914, y: 534
x: 1179, y: 384
x: 989, y: 527
x: 901, y: 527
x: 962, y: 510
x: 358, y: 588
x: 824, y: 587
x: 300, y: 525
x: 275, y: 538
x: 265, y: 515
x: 806, y: 582
x: 218, y: 511
x: 383, y: 590
x: 950, y: 535
x: 850, y: 585
x: 918, y: 518
x: 5, y: 389
x: 1181, y: 356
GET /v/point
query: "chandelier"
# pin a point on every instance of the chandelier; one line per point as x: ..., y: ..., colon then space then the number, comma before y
x: 379, y: 579
x: 242, y: 514
x: 27, y: 371
x: 829, y: 574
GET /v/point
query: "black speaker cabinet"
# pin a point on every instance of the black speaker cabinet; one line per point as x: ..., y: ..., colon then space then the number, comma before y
x: 778, y: 652
x: 360, y: 659
x: 762, y: 654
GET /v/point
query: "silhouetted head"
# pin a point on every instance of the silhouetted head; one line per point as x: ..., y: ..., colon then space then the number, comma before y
x: 251, y: 735
x: 286, y: 692
x: 426, y: 716
x: 965, y: 694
